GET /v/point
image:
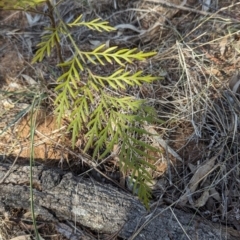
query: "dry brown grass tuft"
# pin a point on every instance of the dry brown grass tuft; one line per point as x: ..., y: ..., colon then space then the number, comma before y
x: 199, y: 55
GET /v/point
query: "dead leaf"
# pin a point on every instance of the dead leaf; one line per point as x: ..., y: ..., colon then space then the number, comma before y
x: 23, y: 237
x: 223, y: 45
x: 28, y: 215
x: 234, y: 82
x: 214, y: 193
x: 192, y: 167
x: 8, y: 104
x: 156, y: 137
x: 200, y: 202
x: 32, y: 19
x: 128, y: 26
x: 205, y: 5
x: 29, y: 79
x: 201, y: 173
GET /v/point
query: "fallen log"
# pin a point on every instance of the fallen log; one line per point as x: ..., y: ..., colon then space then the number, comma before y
x: 100, y: 207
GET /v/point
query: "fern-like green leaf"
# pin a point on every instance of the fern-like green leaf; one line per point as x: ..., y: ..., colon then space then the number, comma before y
x: 19, y: 4
x: 96, y: 24
x: 46, y: 45
x: 120, y: 79
x: 121, y: 56
x: 102, y: 115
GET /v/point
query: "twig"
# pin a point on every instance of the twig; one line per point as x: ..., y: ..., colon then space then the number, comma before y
x: 14, y: 162
x: 160, y: 141
x: 182, y: 7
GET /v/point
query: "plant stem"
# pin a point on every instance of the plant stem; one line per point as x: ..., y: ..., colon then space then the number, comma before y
x: 53, y: 23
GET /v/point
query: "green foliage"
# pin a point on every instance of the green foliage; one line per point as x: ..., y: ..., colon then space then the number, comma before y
x: 96, y: 24
x: 96, y: 107
x: 47, y: 44
x: 19, y: 4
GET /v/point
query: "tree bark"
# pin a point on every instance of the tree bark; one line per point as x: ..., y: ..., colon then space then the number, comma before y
x: 100, y: 207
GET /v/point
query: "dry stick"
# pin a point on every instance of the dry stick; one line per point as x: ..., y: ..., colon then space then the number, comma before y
x: 181, y: 7
x: 10, y: 169
x: 53, y: 25
x: 149, y: 220
x: 86, y: 158
x: 156, y: 138
x: 179, y: 223
x: 158, y: 214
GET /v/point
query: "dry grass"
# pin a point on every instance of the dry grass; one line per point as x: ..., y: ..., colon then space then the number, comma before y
x: 198, y: 97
